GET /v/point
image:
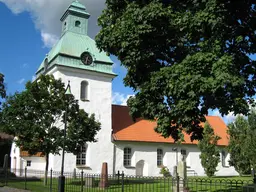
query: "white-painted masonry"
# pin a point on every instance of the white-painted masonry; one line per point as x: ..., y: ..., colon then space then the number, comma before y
x: 100, y: 103
x: 147, y: 152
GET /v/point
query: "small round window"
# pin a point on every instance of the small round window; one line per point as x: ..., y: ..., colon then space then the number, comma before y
x: 77, y: 23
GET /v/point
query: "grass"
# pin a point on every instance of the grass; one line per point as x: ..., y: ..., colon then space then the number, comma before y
x: 215, y: 184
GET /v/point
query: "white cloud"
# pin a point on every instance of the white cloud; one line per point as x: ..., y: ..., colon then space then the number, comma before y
x: 21, y: 81
x: 46, y: 15
x: 49, y: 39
x: 120, y: 98
x: 24, y: 65
x: 230, y: 117
x: 33, y: 78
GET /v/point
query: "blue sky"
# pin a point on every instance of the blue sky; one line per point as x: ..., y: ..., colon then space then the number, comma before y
x: 23, y: 49
x: 30, y: 28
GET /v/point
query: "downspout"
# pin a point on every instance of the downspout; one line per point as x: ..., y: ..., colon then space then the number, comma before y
x: 114, y: 159
x: 114, y: 154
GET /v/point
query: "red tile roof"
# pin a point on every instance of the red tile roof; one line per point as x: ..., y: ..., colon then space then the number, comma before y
x: 125, y: 129
x: 5, y: 136
x: 26, y: 154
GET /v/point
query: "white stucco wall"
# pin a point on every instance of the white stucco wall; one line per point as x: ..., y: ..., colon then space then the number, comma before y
x: 100, y: 103
x: 37, y: 163
x: 148, y: 153
x: 18, y: 164
x: 15, y: 157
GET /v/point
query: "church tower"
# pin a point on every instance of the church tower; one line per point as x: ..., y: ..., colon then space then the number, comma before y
x: 76, y: 58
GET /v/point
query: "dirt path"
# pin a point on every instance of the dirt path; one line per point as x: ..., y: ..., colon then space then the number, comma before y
x: 8, y: 189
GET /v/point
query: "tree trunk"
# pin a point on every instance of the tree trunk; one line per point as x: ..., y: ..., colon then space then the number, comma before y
x: 46, y: 168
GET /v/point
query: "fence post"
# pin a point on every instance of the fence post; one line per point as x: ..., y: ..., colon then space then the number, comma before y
x: 254, y: 182
x: 25, y: 178
x: 82, y: 186
x: 51, y: 180
x: 5, y: 176
x: 5, y: 166
x: 178, y: 183
x: 122, y: 181
x: 118, y: 177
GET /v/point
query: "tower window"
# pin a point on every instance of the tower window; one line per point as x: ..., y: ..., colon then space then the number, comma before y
x: 84, y: 91
x: 77, y: 23
x: 65, y: 24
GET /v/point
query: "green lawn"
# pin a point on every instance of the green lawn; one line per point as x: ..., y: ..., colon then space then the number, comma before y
x: 215, y: 184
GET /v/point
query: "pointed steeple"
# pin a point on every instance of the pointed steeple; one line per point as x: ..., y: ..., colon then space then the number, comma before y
x: 75, y: 18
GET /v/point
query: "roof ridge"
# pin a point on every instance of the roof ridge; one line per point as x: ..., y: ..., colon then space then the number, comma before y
x: 120, y: 105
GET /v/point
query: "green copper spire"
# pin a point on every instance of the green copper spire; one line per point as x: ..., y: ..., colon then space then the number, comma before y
x: 77, y: 4
x: 75, y: 19
x: 74, y: 43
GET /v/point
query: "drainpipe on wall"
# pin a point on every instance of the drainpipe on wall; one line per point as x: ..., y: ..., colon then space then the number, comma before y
x: 114, y: 159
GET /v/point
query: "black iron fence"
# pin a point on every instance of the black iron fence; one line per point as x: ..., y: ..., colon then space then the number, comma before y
x: 39, y: 181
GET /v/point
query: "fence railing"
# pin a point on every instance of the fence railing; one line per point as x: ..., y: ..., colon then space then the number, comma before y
x: 36, y: 181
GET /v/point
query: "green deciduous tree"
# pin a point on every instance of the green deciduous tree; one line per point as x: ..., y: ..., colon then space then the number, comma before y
x: 210, y: 154
x: 3, y: 142
x: 250, y: 142
x: 36, y: 117
x: 183, y: 58
x: 2, y: 87
x: 237, y: 147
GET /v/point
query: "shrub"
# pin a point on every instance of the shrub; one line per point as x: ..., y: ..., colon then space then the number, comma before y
x: 165, y: 172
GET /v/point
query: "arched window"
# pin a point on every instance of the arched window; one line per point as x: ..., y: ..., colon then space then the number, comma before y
x: 127, y: 156
x: 65, y: 25
x: 84, y: 96
x: 81, y: 156
x: 160, y: 157
x: 77, y: 23
x: 46, y: 63
x: 223, y: 158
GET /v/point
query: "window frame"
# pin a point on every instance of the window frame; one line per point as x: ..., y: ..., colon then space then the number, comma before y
x: 29, y: 162
x: 84, y: 91
x: 183, y: 152
x: 77, y: 23
x: 81, y: 157
x: 160, y: 157
x: 127, y: 157
x: 223, y: 158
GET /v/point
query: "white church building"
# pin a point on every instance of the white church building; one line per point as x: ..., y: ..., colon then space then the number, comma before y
x: 132, y: 147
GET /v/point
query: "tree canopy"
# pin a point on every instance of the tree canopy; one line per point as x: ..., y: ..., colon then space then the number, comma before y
x: 183, y: 58
x: 210, y: 154
x: 36, y: 117
x: 2, y: 87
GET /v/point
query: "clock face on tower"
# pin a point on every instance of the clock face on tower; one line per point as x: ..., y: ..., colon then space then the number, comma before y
x: 86, y: 58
